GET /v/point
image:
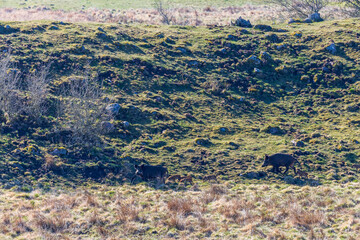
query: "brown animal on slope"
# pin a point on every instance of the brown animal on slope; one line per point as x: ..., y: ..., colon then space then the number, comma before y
x: 209, y: 177
x: 302, y: 173
x: 186, y: 179
x: 280, y: 159
x: 173, y: 178
x: 357, y: 166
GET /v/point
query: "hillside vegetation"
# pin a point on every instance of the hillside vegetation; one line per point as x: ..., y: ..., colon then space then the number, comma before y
x: 88, y: 101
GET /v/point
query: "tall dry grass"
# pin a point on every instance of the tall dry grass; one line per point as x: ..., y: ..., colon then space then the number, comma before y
x: 179, y: 16
x: 242, y: 212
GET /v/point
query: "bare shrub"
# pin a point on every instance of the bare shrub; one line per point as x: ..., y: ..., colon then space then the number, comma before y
x: 84, y: 111
x: 9, y: 88
x: 164, y: 11
x: 353, y: 7
x: 301, y: 8
x: 23, y: 95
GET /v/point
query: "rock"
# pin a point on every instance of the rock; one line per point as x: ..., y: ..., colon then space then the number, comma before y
x: 291, y: 20
x: 308, y: 20
x: 240, y: 22
x: 254, y: 60
x: 274, y: 130
x: 59, y: 152
x: 265, y: 56
x: 7, y: 29
x: 232, y: 37
x: 281, y: 47
x: 273, y: 38
x: 183, y: 50
x: 113, y: 108
x: 298, y: 143
x: 331, y: 48
x: 315, y: 17
x: 325, y: 69
x: 126, y: 124
x: 256, y: 70
x: 265, y: 28
x: 54, y: 28
x: 107, y: 127
x: 223, y: 130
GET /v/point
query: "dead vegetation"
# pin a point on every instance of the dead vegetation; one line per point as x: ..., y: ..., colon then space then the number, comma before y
x: 261, y: 211
x: 162, y: 14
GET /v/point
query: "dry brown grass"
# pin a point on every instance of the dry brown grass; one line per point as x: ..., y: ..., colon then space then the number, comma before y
x: 215, y: 212
x: 180, y: 16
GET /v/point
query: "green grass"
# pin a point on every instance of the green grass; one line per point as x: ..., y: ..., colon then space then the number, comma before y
x: 212, y: 80
x: 117, y: 4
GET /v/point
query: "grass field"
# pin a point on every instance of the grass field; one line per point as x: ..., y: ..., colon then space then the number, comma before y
x: 199, y: 100
x: 119, y: 4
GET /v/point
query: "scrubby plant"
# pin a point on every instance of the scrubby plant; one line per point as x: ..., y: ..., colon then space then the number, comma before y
x: 23, y: 94
x: 354, y: 7
x: 164, y: 11
x: 301, y: 8
x: 84, y: 110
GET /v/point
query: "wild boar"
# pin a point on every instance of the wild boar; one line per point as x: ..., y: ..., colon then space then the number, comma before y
x: 302, y: 173
x: 147, y: 172
x: 186, y: 179
x: 280, y: 159
x: 209, y: 177
x: 173, y: 178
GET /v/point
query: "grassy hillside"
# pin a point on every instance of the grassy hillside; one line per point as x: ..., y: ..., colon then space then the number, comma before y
x: 197, y: 100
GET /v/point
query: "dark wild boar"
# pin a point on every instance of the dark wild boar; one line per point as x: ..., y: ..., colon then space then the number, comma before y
x: 147, y: 172
x: 278, y: 160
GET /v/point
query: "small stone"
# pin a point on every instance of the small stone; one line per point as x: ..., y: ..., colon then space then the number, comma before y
x: 331, y: 48
x: 113, y: 108
x: 59, y: 151
x: 298, y: 143
x: 254, y: 60
x: 256, y: 70
x: 107, y: 126
x: 126, y: 124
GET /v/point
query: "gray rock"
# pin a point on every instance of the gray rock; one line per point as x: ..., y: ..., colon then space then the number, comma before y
x: 59, y: 152
x: 107, y: 127
x: 308, y: 20
x: 315, y: 17
x: 126, y: 124
x: 240, y: 22
x: 331, y: 48
x: 256, y: 70
x: 113, y: 108
x: 298, y: 143
x: 265, y: 56
x: 254, y: 60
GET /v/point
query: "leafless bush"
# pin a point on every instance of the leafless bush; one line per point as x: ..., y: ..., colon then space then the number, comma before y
x: 353, y: 7
x: 37, y: 92
x: 301, y: 8
x: 23, y: 96
x: 9, y: 84
x: 164, y: 11
x: 84, y: 111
